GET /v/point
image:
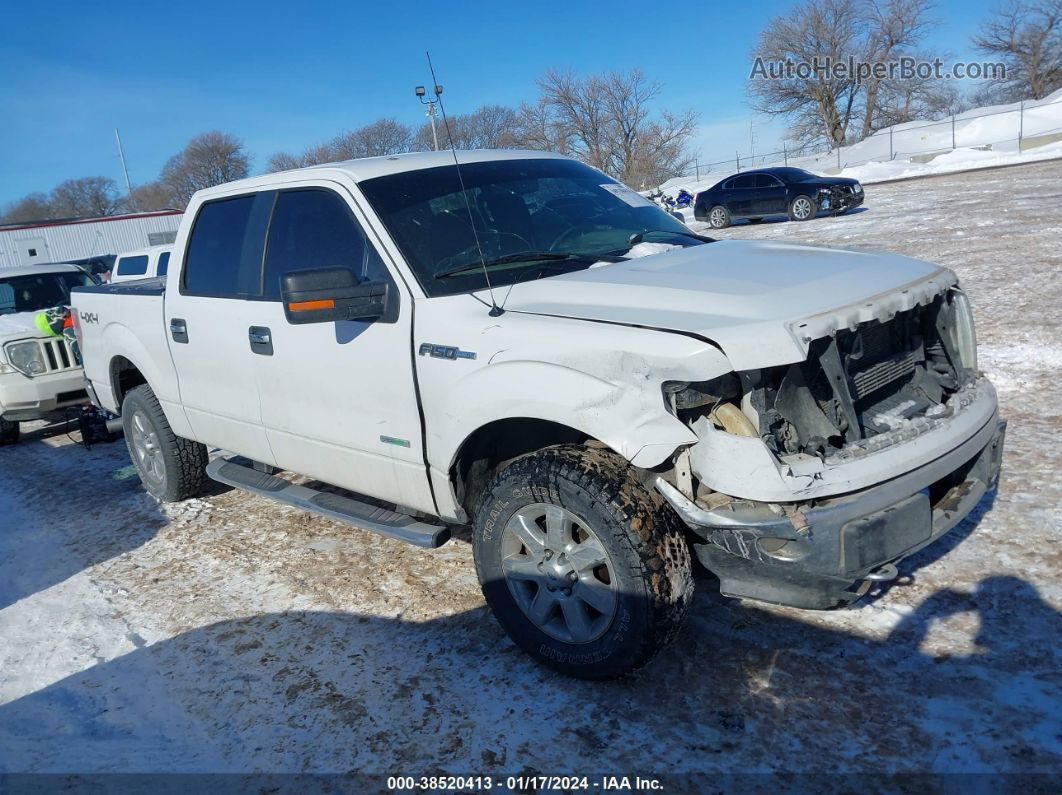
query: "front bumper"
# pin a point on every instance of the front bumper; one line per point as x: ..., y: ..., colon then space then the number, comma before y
x: 23, y: 398
x: 839, y: 200
x: 825, y: 554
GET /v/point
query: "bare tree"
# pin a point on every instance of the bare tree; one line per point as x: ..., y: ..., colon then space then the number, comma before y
x: 1026, y: 35
x: 382, y: 137
x: 151, y: 196
x: 892, y: 27
x: 283, y: 161
x: 608, y: 121
x: 537, y: 128
x: 386, y: 136
x: 209, y: 159
x: 86, y: 197
x: 822, y: 103
x: 34, y: 207
x: 487, y: 127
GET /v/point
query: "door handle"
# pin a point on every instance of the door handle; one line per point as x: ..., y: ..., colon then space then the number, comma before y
x: 178, y: 330
x: 261, y: 339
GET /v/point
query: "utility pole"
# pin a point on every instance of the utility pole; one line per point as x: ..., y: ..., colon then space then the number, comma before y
x: 430, y: 103
x: 953, y: 131
x: 125, y: 171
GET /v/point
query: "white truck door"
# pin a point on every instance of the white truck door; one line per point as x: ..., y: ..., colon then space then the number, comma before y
x: 338, y: 399
x: 208, y: 313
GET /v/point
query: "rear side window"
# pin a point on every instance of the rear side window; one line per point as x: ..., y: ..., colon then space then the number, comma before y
x: 215, y: 250
x: 133, y: 266
x: 743, y: 182
x: 164, y: 264
x: 314, y: 228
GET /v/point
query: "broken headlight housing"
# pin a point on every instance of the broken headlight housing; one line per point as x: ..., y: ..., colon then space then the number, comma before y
x: 26, y: 357
x: 684, y: 395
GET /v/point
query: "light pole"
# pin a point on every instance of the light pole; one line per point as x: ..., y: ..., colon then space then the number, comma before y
x: 430, y: 103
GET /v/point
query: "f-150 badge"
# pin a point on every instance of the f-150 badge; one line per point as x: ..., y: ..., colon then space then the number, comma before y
x: 444, y: 351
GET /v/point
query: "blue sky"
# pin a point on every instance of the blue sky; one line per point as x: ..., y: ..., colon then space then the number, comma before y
x: 286, y: 75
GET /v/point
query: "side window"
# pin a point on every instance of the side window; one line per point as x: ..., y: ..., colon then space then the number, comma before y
x: 744, y: 182
x: 767, y: 181
x: 164, y: 264
x: 133, y: 266
x: 213, y: 261
x: 314, y: 228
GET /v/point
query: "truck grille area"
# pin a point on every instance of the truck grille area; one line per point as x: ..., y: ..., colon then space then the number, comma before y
x: 865, y: 381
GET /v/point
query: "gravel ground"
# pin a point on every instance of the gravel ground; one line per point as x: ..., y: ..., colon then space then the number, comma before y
x: 224, y: 634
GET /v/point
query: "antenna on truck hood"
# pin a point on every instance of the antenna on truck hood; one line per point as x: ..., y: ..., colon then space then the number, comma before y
x: 495, y: 310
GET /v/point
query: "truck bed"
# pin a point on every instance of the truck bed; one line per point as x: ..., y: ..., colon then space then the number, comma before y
x: 121, y: 325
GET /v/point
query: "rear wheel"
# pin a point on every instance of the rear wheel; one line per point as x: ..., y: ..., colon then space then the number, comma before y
x: 719, y: 217
x: 171, y: 468
x: 801, y: 208
x: 584, y: 568
x: 9, y: 431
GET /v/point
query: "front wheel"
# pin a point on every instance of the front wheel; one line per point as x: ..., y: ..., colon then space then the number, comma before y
x: 171, y: 468
x: 9, y: 431
x: 801, y: 209
x: 585, y: 569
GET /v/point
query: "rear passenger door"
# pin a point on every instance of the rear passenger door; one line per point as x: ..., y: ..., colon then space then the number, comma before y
x: 207, y: 319
x: 741, y: 194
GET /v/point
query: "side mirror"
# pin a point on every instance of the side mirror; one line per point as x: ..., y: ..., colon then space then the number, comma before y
x: 324, y: 295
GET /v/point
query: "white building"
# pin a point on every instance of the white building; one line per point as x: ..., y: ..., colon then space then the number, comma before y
x: 56, y: 241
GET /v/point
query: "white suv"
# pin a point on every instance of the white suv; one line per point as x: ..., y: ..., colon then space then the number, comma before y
x: 38, y: 374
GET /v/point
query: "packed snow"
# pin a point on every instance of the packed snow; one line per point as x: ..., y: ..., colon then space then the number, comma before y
x: 226, y: 634
x: 983, y: 138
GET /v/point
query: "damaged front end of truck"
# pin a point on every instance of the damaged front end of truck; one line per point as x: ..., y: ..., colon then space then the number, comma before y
x: 810, y: 480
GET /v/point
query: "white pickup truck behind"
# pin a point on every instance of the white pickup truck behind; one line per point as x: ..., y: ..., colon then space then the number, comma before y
x: 524, y: 345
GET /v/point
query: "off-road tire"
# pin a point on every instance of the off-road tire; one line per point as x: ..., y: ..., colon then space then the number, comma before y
x: 644, y: 540
x: 183, y: 462
x: 793, y: 216
x: 9, y: 432
x: 719, y: 217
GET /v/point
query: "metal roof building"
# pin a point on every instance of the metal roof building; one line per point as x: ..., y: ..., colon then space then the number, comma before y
x: 55, y: 241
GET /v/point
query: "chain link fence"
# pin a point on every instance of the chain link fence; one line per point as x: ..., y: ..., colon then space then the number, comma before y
x: 920, y: 142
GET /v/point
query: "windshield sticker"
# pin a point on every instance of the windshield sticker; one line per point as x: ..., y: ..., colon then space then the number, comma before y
x: 628, y: 196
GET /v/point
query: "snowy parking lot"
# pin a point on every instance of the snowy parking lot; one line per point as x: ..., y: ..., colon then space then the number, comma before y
x: 226, y: 634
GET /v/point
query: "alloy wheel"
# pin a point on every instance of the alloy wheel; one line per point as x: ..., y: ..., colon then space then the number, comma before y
x: 559, y: 573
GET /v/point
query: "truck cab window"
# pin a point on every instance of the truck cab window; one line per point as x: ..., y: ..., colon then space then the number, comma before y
x: 215, y: 249
x: 314, y: 228
x: 164, y: 264
x: 132, y: 266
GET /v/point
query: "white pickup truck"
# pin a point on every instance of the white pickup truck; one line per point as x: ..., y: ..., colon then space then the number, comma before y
x: 39, y: 374
x: 522, y: 344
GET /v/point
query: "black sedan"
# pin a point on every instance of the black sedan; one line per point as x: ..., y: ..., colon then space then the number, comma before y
x: 771, y: 191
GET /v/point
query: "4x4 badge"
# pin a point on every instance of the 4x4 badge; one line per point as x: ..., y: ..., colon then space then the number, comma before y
x: 444, y: 351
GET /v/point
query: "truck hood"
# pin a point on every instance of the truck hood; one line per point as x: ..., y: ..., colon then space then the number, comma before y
x: 762, y: 303
x: 18, y: 326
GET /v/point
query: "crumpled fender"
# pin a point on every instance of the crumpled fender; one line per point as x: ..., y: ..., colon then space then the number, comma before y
x: 598, y: 378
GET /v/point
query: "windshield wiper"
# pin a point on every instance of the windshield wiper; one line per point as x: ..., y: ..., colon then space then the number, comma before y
x: 638, y: 237
x: 531, y: 256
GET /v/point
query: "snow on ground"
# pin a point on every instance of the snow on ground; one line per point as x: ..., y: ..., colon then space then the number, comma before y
x: 884, y: 156
x: 224, y: 634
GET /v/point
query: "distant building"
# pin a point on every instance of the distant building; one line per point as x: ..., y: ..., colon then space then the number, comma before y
x: 56, y: 241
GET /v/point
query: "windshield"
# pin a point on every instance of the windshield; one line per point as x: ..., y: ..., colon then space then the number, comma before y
x: 795, y: 174
x: 560, y: 213
x: 37, y: 291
